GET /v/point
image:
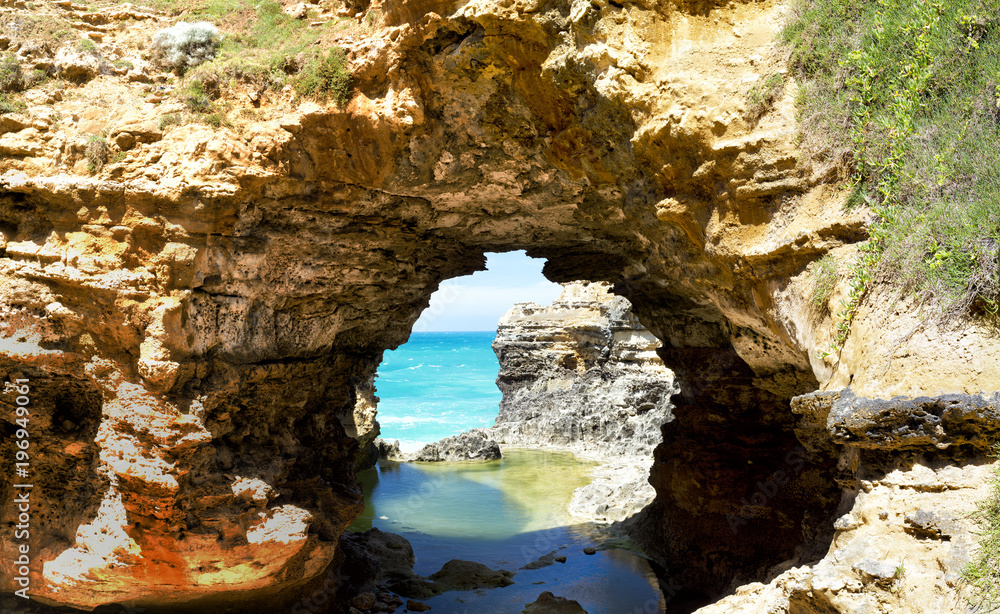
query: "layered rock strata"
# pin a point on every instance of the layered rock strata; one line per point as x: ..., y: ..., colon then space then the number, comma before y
x: 201, y: 318
x: 582, y: 374
x: 912, y: 470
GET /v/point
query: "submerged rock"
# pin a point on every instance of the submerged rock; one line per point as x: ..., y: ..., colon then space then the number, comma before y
x: 547, y: 603
x: 544, y: 561
x: 455, y: 575
x: 471, y: 445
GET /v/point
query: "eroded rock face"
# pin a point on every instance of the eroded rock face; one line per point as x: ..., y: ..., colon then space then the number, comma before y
x: 477, y: 444
x: 582, y: 374
x: 201, y: 319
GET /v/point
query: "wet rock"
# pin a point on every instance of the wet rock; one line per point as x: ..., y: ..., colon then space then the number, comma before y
x: 583, y: 374
x: 416, y: 606
x: 590, y: 550
x: 547, y: 603
x: 387, y: 450
x: 393, y: 553
x: 469, y: 575
x: 364, y: 601
x: 455, y: 575
x: 544, y: 561
x: 470, y: 445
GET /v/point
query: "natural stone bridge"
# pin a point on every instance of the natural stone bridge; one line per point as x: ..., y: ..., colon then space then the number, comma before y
x: 201, y: 324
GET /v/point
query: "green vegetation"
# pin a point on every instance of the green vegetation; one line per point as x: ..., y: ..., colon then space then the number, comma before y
x: 762, y: 95
x: 259, y: 49
x: 11, y: 77
x: 824, y: 277
x: 907, y: 93
x: 325, y: 76
x: 170, y: 119
x: 87, y: 46
x: 11, y: 106
x: 982, y: 574
x: 98, y: 152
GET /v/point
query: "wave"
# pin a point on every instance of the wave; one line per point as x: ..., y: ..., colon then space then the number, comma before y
x: 411, y: 420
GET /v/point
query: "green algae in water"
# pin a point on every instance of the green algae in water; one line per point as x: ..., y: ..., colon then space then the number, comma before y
x: 524, y: 491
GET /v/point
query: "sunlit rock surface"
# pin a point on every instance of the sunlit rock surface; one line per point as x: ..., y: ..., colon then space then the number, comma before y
x: 201, y: 319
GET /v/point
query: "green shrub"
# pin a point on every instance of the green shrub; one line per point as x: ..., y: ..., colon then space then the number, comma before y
x: 195, y: 97
x: 11, y: 77
x: 170, y: 119
x: 824, y: 278
x: 87, y: 46
x: 982, y: 573
x: 97, y: 152
x: 215, y: 120
x: 905, y: 92
x: 323, y: 76
x: 184, y: 45
x: 11, y: 106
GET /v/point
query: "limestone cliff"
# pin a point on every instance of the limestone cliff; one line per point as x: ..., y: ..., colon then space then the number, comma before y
x: 582, y: 374
x: 200, y: 319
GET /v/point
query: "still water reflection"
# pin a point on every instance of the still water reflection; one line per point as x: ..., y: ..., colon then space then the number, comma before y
x: 505, y: 514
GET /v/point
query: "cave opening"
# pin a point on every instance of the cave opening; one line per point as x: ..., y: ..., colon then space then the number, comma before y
x: 509, y: 333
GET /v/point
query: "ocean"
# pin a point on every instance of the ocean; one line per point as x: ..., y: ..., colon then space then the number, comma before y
x: 437, y: 385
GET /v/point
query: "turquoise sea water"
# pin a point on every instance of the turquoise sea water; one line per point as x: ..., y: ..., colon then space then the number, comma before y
x: 437, y: 385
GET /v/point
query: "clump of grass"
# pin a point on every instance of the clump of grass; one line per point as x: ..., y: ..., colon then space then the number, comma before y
x: 87, y: 46
x: 195, y: 97
x: 215, y: 120
x: 761, y: 97
x: 8, y: 105
x: 325, y: 76
x: 904, y: 92
x: 170, y: 119
x: 97, y: 153
x: 824, y: 278
x: 11, y: 77
x: 982, y: 573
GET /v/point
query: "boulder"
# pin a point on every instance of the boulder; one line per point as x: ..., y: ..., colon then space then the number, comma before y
x: 75, y: 65
x: 476, y: 444
x: 455, y: 575
x: 547, y: 603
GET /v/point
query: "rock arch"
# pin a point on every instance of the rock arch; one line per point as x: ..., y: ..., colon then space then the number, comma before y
x: 232, y: 310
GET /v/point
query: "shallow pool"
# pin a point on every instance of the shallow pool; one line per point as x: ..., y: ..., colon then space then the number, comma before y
x: 505, y: 514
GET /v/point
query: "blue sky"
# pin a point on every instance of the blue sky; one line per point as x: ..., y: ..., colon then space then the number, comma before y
x: 476, y: 302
